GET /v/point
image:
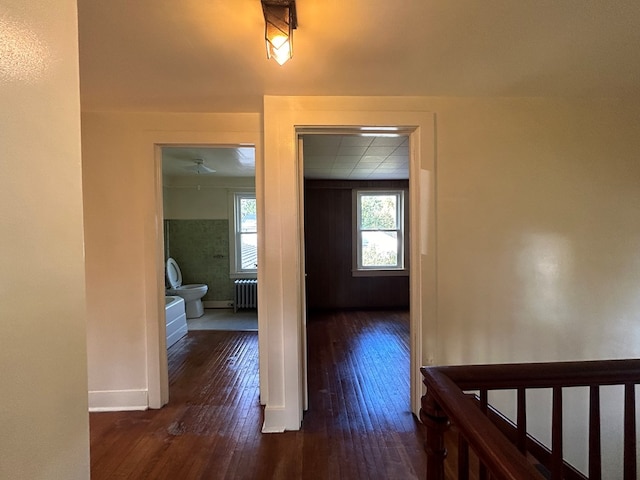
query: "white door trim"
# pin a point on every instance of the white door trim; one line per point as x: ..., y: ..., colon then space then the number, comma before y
x: 283, y: 116
x: 156, y: 358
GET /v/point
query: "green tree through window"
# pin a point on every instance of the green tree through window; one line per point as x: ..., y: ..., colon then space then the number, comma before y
x: 246, y: 233
x: 380, y: 230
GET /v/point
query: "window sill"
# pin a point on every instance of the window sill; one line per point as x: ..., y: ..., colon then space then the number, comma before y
x: 380, y: 273
x: 235, y: 275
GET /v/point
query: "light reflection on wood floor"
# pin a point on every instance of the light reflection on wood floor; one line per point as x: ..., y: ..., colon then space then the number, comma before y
x: 358, y: 426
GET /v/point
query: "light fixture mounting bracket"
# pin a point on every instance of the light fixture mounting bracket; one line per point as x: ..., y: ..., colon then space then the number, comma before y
x: 290, y: 4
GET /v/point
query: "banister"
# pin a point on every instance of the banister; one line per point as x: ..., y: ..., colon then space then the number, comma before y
x: 504, y: 457
x: 543, y: 375
x: 499, y: 455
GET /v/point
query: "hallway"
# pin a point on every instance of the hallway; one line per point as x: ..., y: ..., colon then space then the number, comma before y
x: 359, y: 425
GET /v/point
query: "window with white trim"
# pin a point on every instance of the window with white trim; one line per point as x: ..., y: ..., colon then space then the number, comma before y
x: 244, y: 247
x: 379, y: 232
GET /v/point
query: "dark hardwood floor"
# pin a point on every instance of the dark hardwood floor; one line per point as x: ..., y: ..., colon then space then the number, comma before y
x: 358, y: 426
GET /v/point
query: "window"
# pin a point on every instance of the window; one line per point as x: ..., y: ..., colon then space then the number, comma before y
x: 379, y: 232
x: 244, y: 248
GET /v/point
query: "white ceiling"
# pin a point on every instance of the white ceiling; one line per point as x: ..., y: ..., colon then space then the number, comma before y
x: 194, y: 55
x: 226, y: 161
x: 356, y: 157
x: 345, y: 157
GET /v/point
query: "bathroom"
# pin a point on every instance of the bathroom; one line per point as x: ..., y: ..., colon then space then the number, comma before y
x: 199, y: 188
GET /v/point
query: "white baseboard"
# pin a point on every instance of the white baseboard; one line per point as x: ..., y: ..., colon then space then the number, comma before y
x: 118, y: 400
x: 276, y: 420
x: 218, y: 304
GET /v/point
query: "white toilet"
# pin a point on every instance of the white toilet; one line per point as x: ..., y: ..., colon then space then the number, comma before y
x: 191, y: 293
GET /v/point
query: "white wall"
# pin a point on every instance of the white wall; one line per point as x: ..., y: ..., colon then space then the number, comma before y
x: 538, y: 237
x: 190, y: 198
x: 43, y: 404
x: 124, y: 263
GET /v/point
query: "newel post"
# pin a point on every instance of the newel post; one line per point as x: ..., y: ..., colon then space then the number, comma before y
x: 436, y: 423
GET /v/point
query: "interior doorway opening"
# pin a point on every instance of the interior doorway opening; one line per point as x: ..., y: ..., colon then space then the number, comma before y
x: 212, y: 243
x: 356, y: 253
x: 284, y: 120
x: 356, y: 192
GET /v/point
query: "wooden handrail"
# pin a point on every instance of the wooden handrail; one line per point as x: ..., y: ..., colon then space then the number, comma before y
x: 504, y: 458
x: 499, y: 455
x: 543, y: 375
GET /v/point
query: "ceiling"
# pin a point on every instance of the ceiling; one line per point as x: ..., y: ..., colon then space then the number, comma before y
x: 356, y: 157
x: 206, y: 56
x: 345, y: 157
x: 226, y: 161
x: 195, y: 55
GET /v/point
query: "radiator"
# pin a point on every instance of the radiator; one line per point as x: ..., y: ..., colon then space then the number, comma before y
x: 246, y: 294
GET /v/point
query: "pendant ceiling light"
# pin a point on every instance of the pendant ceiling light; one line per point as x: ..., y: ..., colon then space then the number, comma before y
x: 280, y: 21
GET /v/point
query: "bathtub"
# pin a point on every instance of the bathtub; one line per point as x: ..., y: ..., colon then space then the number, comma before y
x: 176, y: 319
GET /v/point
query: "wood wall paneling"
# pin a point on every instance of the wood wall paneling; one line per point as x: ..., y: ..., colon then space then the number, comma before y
x: 328, y: 245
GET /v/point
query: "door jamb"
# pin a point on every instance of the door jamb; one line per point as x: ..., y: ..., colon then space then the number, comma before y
x: 156, y: 355
x: 281, y: 117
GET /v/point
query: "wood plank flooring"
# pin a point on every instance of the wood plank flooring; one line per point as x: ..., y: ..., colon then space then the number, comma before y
x: 358, y: 426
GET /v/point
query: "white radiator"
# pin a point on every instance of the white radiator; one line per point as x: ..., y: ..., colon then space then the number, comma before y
x: 246, y: 294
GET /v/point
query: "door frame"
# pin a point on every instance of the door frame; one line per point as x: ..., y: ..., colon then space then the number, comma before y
x: 284, y: 118
x: 156, y: 354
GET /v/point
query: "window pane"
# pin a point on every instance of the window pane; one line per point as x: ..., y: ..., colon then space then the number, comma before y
x: 247, y: 214
x: 378, y: 212
x: 379, y: 249
x: 248, y: 251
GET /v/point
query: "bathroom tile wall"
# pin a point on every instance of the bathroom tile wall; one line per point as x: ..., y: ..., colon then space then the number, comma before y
x: 201, y: 248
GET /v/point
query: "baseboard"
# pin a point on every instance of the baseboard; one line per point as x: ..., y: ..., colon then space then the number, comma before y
x: 277, y: 420
x: 218, y: 304
x: 118, y: 400
x: 273, y: 420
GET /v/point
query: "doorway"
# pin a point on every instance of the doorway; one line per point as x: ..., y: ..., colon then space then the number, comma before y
x: 281, y: 344
x: 356, y: 191
x: 356, y: 260
x: 206, y: 230
x: 197, y: 228
x: 285, y: 118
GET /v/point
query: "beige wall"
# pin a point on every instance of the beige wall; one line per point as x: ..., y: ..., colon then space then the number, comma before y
x: 538, y: 230
x: 539, y: 245
x: 538, y: 238
x: 559, y: 175
x: 43, y: 404
x: 124, y: 275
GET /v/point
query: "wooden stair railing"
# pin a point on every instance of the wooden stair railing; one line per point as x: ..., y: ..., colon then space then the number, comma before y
x: 502, y: 446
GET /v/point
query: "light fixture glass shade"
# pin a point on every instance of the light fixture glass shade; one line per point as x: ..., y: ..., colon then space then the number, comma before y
x: 279, y: 18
